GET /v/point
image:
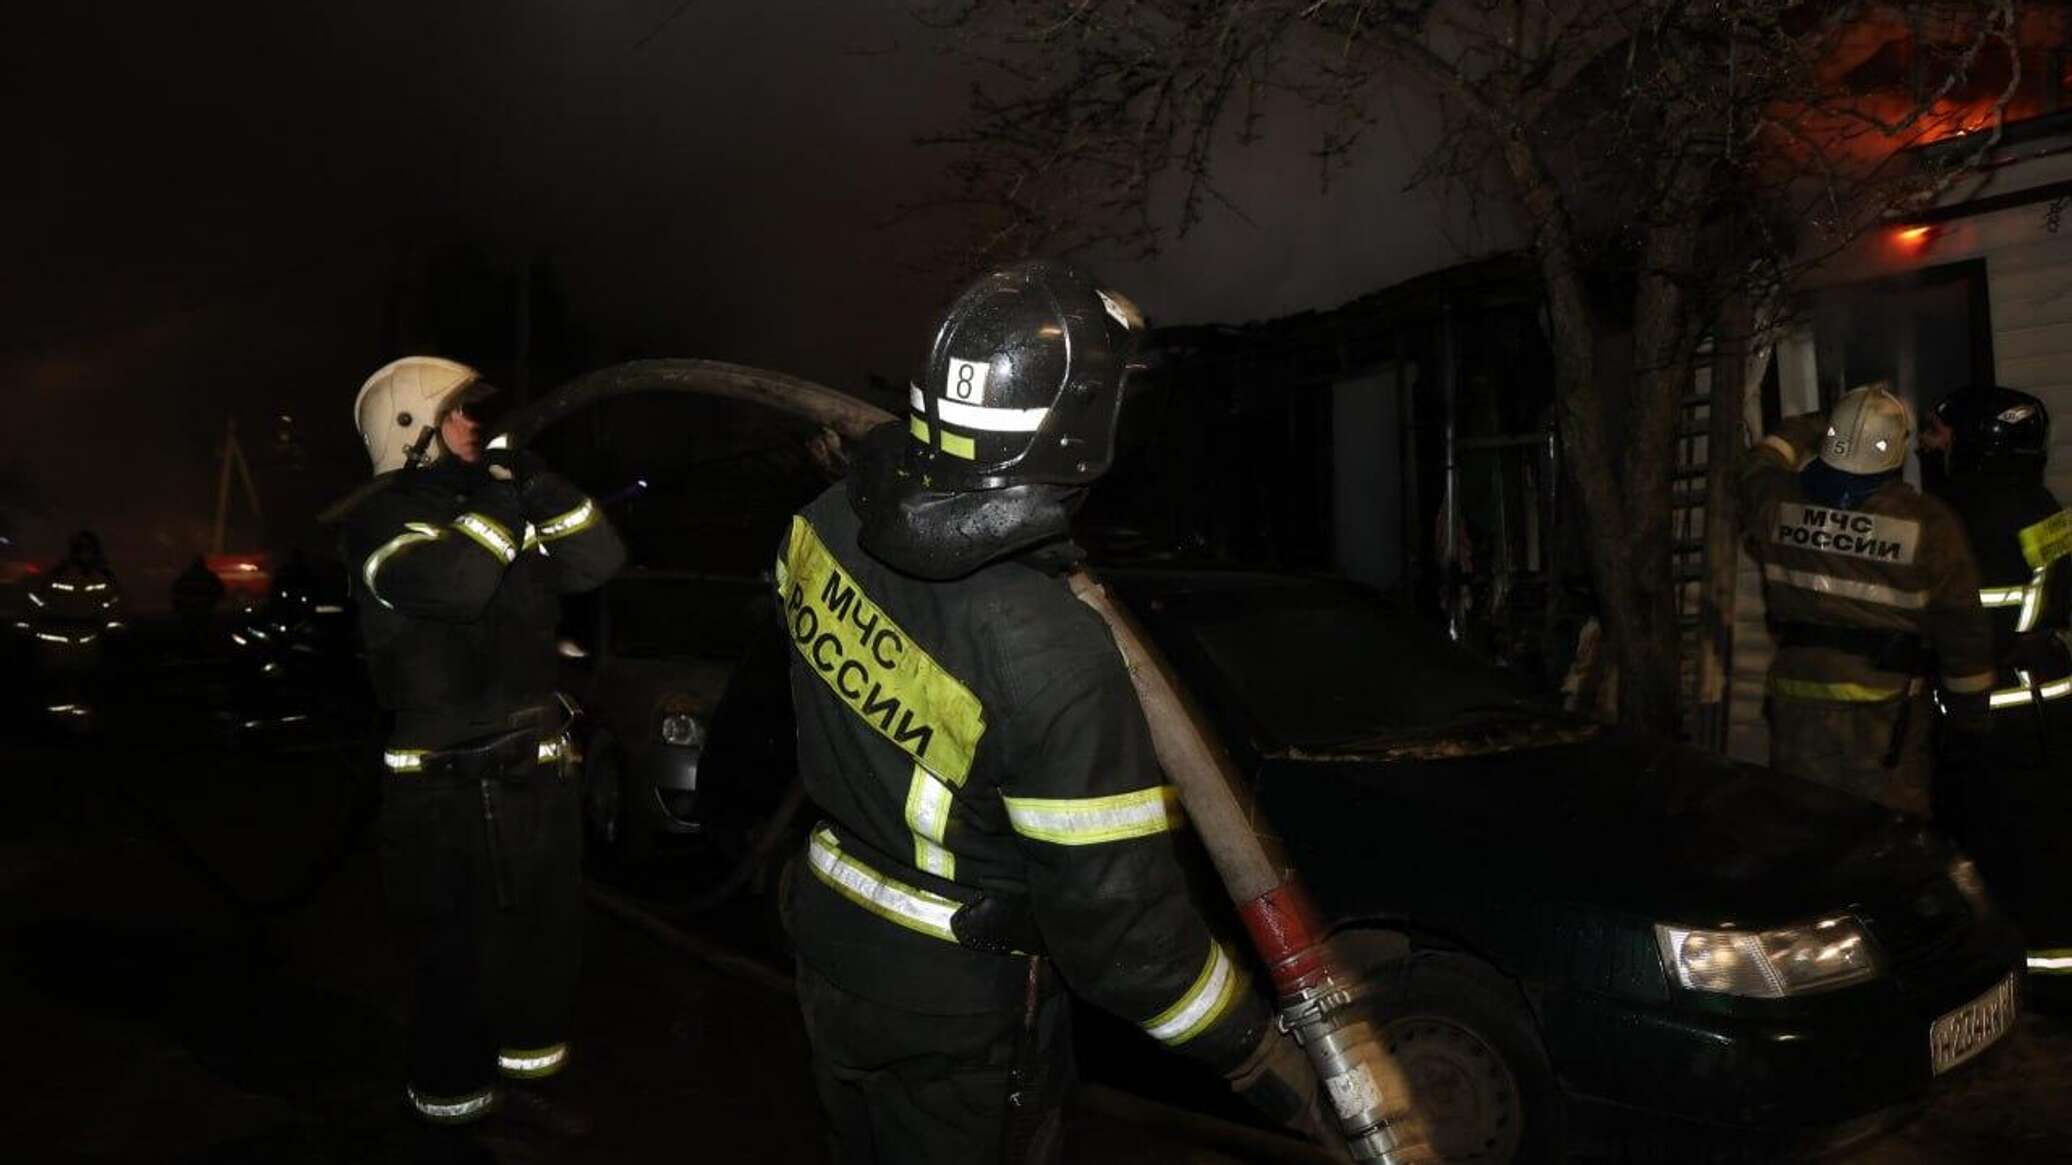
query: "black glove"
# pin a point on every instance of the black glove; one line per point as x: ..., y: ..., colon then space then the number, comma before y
x: 2043, y: 654
x: 517, y: 466
x: 1803, y: 433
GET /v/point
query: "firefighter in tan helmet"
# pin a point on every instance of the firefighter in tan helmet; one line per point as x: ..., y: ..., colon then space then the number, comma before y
x: 1872, y: 595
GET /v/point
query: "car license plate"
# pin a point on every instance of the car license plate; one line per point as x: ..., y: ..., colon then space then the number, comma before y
x: 1972, y: 1028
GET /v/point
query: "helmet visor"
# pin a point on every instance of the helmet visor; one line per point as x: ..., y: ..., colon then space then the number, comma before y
x: 478, y: 401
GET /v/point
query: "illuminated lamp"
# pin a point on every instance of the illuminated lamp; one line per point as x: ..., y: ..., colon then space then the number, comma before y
x: 1914, y: 238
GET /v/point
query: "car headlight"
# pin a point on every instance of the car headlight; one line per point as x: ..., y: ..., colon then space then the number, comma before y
x: 1791, y: 960
x: 683, y: 730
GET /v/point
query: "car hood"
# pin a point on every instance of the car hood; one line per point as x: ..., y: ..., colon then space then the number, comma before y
x: 1658, y: 831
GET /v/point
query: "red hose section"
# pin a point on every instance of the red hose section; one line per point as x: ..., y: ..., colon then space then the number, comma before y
x: 1289, y: 936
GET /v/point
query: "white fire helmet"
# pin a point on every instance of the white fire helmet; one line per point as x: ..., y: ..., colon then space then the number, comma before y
x: 1868, y: 431
x: 401, y: 401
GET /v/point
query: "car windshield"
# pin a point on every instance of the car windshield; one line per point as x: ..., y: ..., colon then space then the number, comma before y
x: 1325, y: 668
x: 684, y: 617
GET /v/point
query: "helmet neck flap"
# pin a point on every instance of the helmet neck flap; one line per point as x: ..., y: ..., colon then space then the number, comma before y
x: 940, y: 535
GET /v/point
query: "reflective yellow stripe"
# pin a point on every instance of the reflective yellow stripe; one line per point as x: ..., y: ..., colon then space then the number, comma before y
x: 2014, y: 697
x: 2032, y: 600
x: 919, y: 428
x: 1846, y: 588
x: 928, y: 815
x: 1970, y: 685
x: 869, y: 661
x: 489, y: 534
x: 2048, y: 540
x: 403, y: 760
x: 573, y: 522
x: 2002, y: 596
x: 453, y: 1109
x: 888, y: 898
x: 1205, y: 1001
x: 959, y: 445
x: 1092, y: 820
x: 414, y: 533
x: 532, y: 1063
x: 1815, y: 690
x: 2053, y: 961
x: 554, y: 749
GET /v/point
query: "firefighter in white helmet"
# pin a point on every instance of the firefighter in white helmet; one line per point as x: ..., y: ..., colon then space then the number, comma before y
x: 1872, y: 593
x: 458, y: 560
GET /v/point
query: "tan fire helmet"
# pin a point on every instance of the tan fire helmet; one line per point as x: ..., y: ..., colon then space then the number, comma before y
x: 399, y: 408
x: 1868, y: 431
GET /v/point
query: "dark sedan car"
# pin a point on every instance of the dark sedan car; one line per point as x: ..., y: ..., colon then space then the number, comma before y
x: 1572, y: 933
x: 648, y: 659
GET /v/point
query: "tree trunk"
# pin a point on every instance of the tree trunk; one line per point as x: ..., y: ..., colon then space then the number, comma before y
x: 1631, y: 617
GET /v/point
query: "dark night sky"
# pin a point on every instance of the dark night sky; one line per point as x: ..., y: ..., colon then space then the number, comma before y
x: 205, y: 199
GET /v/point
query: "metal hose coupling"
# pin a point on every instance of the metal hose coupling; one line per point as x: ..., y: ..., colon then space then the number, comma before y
x: 1366, y: 1088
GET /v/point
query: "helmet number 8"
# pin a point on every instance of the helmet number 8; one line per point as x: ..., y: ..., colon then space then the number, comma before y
x: 967, y: 381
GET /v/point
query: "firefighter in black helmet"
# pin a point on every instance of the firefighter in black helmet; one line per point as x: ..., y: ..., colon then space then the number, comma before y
x: 1994, y: 444
x: 995, y: 820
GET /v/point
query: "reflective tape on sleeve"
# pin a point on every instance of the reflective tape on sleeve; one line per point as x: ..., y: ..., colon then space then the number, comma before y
x: 414, y: 534
x: 2032, y: 600
x: 453, y: 1109
x: 2015, y: 697
x: 1846, y: 588
x: 2001, y: 596
x: 1092, y: 820
x: 532, y: 1063
x: 888, y: 898
x: 553, y: 749
x: 1205, y: 1001
x: 490, y: 535
x: 573, y: 522
x: 403, y: 760
x: 2051, y: 961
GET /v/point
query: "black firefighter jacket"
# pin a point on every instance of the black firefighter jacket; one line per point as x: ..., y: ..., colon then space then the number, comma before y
x: 2022, y: 539
x: 989, y: 787
x: 458, y: 578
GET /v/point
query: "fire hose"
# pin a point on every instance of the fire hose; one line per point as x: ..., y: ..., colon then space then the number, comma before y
x: 1319, y: 1003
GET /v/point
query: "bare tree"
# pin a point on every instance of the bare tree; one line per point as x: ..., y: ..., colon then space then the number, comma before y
x: 1681, y: 154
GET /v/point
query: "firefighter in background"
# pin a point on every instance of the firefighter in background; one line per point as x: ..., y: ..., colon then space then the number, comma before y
x: 995, y: 817
x: 72, y: 611
x: 1872, y: 595
x: 1994, y: 444
x: 197, y: 592
x: 459, y: 562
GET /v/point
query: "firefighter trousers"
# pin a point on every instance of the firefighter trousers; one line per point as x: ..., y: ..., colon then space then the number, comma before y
x: 902, y: 1087
x: 483, y: 881
x: 1843, y: 744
